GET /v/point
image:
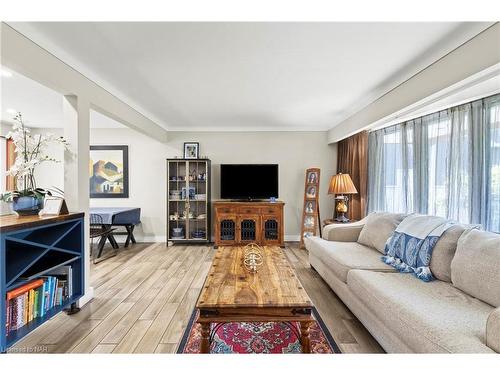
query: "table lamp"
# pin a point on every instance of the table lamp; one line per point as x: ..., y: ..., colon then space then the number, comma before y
x: 341, y: 184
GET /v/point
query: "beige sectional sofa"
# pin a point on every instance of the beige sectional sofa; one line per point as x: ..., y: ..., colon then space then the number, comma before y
x: 459, y: 312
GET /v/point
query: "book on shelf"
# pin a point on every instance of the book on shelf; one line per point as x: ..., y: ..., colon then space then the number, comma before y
x: 35, y: 298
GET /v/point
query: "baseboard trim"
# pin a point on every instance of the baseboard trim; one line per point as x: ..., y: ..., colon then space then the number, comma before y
x: 87, y: 297
x: 153, y: 238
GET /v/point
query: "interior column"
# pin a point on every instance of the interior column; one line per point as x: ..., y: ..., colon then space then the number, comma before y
x: 76, y: 112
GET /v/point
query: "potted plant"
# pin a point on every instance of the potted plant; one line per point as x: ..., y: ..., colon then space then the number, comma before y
x: 27, y: 198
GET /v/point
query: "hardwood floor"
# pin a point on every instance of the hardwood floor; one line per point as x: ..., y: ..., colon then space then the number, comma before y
x: 144, y: 297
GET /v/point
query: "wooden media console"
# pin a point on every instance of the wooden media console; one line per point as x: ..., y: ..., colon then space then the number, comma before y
x: 238, y: 223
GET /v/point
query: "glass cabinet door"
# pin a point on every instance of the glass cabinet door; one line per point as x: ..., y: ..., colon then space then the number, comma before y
x: 197, y: 194
x: 177, y: 204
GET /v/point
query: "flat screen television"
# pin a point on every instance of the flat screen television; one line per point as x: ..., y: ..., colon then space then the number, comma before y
x: 248, y: 181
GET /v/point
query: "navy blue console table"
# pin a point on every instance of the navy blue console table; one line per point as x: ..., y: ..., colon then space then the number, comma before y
x: 31, y: 247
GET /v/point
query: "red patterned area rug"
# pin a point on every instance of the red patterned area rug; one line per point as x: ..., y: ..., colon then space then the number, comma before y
x: 253, y: 338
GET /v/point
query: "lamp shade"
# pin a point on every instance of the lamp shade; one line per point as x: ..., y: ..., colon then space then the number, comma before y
x: 341, y: 184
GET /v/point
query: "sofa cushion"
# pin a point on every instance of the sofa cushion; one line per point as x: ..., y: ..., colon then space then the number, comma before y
x: 429, y: 317
x: 341, y: 257
x: 493, y: 330
x: 444, y: 251
x: 475, y: 269
x: 379, y: 226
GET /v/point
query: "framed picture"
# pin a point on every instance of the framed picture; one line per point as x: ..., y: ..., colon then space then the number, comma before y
x: 311, y: 192
x: 312, y: 178
x: 191, y: 150
x: 310, y: 207
x: 184, y: 192
x: 109, y: 171
x: 54, y: 206
x: 309, y: 221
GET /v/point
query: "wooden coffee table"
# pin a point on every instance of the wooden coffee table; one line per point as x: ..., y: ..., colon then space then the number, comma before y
x: 233, y: 294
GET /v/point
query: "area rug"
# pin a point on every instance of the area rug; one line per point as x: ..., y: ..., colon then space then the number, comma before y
x: 254, y: 338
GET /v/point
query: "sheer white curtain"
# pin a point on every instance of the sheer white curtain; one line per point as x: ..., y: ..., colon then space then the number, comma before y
x: 391, y: 152
x: 492, y: 208
x: 445, y: 164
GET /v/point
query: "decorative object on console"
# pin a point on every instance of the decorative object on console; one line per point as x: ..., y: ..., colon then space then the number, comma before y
x: 25, y: 196
x: 109, y: 166
x: 310, y: 212
x: 341, y: 184
x: 54, y: 206
x: 191, y: 150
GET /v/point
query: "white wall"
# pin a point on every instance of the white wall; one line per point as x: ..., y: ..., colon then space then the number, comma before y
x: 51, y: 174
x: 293, y: 151
x: 4, y: 207
x: 147, y: 179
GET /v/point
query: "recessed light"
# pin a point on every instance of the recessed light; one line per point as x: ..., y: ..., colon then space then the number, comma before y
x: 5, y: 73
x: 11, y: 111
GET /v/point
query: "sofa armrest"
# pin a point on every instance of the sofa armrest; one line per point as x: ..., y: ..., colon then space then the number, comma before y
x: 343, y: 232
x: 493, y: 330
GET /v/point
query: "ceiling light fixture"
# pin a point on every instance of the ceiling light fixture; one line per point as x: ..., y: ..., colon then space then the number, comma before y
x: 5, y: 73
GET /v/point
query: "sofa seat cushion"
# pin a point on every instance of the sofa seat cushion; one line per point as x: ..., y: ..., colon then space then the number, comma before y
x: 341, y: 257
x: 429, y: 317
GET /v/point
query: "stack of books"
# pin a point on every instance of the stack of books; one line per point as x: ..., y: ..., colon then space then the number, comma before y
x: 33, y: 299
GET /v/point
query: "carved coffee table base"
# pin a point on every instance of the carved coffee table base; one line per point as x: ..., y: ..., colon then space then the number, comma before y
x: 220, y: 317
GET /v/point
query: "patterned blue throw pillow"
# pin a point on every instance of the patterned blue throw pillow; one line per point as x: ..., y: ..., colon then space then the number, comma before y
x: 410, y: 254
x: 409, y: 249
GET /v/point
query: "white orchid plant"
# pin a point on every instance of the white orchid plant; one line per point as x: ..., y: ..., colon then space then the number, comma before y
x: 31, y: 151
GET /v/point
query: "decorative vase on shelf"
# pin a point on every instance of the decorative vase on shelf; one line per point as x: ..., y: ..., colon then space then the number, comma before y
x: 25, y: 206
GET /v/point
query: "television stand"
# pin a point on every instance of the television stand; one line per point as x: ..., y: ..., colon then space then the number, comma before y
x: 244, y: 222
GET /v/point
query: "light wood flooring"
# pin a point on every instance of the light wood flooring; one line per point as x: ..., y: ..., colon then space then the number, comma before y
x: 145, y: 295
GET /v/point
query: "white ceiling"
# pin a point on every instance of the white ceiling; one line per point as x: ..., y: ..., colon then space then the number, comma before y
x: 40, y: 106
x: 249, y: 76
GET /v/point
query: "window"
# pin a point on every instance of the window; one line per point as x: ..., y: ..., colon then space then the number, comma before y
x: 494, y: 170
x: 445, y: 164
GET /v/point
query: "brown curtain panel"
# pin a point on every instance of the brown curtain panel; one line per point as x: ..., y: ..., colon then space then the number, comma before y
x: 9, y: 162
x: 352, y: 158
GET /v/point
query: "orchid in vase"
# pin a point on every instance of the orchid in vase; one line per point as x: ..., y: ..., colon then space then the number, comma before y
x: 31, y: 151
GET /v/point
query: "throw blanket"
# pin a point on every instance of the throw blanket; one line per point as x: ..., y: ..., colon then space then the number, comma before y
x: 409, y: 249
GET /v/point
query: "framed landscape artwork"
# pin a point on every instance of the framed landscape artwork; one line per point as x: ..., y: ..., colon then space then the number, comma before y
x: 108, y: 171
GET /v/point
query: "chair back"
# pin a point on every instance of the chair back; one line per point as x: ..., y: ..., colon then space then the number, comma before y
x: 96, y: 220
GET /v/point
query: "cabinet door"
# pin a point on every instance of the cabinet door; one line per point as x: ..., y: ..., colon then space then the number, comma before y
x: 271, y: 231
x: 249, y: 229
x: 196, y: 194
x: 226, y: 229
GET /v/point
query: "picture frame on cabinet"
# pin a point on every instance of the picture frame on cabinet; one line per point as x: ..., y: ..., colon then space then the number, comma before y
x: 191, y: 150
